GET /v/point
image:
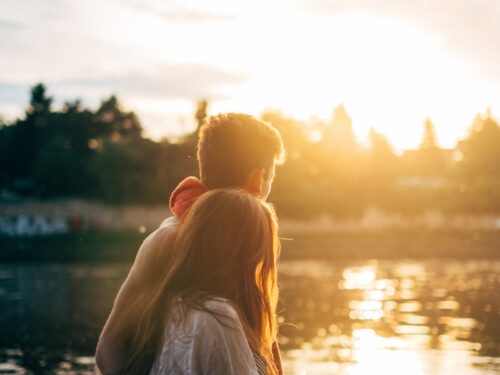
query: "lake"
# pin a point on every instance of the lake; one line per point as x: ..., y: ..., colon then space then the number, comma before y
x: 352, y: 317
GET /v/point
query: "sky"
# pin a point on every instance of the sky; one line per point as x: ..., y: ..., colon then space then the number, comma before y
x: 392, y: 63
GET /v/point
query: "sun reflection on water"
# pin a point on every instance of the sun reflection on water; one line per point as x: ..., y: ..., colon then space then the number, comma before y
x: 387, y: 318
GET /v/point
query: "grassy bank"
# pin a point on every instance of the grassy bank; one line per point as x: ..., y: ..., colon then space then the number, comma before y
x: 121, y: 246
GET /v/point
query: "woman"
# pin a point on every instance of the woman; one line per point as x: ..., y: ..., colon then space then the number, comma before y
x: 213, y: 309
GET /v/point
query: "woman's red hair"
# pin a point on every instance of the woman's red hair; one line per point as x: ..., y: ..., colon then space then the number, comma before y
x: 227, y: 246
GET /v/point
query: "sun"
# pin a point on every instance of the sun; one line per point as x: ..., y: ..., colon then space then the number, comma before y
x: 389, y: 74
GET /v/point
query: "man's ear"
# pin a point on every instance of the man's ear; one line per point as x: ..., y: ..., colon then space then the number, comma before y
x: 255, y: 181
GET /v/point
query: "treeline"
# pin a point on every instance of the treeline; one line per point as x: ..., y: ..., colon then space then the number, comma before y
x: 329, y: 171
x: 103, y: 155
x: 77, y: 152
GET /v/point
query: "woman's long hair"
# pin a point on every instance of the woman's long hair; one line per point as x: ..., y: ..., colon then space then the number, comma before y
x: 227, y: 246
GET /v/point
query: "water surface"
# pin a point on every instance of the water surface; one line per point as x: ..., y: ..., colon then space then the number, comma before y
x: 389, y: 317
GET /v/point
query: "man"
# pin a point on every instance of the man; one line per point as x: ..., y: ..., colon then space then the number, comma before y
x: 234, y: 151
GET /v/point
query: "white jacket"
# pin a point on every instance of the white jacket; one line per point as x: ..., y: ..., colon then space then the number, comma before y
x: 204, y: 343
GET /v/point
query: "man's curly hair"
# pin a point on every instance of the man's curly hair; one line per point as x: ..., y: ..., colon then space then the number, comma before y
x: 231, y: 145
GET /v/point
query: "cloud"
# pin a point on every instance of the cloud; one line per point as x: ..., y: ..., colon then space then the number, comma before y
x: 6, y: 24
x: 189, y: 82
x: 195, y: 16
x: 178, y: 12
x: 168, y: 83
x: 470, y: 32
x: 14, y: 93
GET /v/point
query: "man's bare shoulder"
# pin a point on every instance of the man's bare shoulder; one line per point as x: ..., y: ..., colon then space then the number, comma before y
x: 170, y: 222
x: 152, y: 247
x: 111, y: 352
x: 165, y: 230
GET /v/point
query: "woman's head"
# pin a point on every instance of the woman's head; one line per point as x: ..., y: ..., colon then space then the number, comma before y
x: 227, y: 246
x: 229, y: 242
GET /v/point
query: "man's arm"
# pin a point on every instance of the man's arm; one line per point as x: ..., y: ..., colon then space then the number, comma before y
x: 112, y: 351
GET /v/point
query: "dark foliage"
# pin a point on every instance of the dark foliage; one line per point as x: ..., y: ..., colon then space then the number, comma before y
x: 103, y: 155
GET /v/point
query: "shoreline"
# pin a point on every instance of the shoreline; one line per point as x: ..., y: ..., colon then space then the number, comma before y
x: 37, y: 217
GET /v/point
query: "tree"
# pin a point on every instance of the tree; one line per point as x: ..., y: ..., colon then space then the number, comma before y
x: 23, y: 141
x: 428, y: 160
x: 340, y: 134
x: 200, y: 114
x: 57, y: 171
x: 429, y: 136
x: 380, y: 148
x: 481, y: 149
x: 382, y: 167
x: 40, y: 103
x: 114, y: 123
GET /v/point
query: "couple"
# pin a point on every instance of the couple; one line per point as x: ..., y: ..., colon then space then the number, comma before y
x: 201, y: 295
